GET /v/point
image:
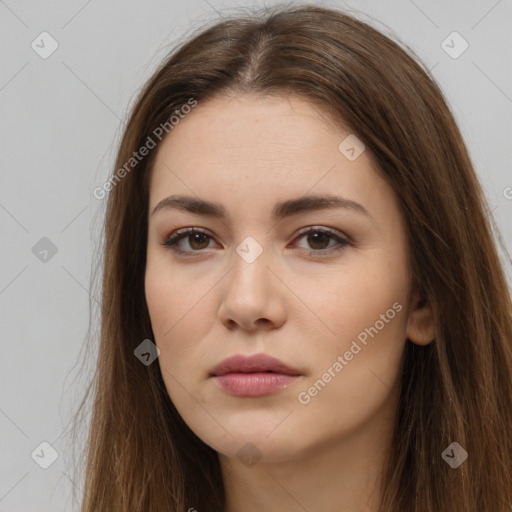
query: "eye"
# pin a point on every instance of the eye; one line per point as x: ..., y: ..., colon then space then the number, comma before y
x: 319, y: 239
x: 196, y: 238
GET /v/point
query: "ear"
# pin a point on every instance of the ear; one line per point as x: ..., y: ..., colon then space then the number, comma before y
x: 420, y: 323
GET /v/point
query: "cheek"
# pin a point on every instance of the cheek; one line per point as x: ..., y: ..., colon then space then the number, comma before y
x: 174, y: 298
x: 168, y: 305
x: 163, y: 303
x: 358, y: 366
x: 352, y: 297
x: 179, y: 310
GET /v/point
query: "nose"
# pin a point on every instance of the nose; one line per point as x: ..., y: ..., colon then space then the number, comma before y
x: 252, y: 297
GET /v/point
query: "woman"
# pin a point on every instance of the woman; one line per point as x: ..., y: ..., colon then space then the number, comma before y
x: 303, y: 306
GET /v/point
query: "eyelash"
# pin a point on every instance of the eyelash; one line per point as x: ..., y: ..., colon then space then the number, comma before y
x: 172, y: 241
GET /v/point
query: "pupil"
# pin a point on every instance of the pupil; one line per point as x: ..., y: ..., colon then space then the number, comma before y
x: 193, y: 239
x: 318, y: 237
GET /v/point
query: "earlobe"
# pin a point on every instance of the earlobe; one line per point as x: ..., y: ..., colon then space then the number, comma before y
x: 420, y: 323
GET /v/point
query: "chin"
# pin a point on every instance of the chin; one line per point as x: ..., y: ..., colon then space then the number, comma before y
x: 251, y: 451
x: 263, y: 441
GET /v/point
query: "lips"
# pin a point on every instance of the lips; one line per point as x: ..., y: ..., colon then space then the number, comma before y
x: 253, y: 376
x: 257, y: 363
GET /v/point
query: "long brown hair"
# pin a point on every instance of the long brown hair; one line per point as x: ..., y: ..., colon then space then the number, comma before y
x: 141, y: 456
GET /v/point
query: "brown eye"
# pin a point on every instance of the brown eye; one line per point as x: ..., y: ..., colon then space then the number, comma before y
x: 197, y: 241
x: 318, y: 240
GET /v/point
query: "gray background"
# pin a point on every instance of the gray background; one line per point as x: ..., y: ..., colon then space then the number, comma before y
x: 61, y: 119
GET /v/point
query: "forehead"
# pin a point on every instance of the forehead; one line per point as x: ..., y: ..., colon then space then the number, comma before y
x: 251, y: 125
x: 249, y: 148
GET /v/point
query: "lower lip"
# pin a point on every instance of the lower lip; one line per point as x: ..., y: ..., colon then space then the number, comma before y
x: 254, y: 384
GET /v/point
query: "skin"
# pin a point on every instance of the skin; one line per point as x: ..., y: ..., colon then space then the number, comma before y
x: 247, y: 153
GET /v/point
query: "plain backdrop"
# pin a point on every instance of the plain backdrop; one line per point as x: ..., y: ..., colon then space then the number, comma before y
x: 60, y: 122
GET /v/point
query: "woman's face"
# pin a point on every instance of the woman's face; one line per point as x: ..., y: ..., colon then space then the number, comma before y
x: 276, y: 270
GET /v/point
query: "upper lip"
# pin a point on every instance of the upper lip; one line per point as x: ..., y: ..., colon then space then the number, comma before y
x: 250, y: 364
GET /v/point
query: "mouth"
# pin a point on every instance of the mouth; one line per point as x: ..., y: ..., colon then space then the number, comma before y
x: 254, y: 375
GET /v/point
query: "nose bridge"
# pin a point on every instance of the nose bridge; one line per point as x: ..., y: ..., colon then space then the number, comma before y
x: 249, y: 295
x: 250, y: 263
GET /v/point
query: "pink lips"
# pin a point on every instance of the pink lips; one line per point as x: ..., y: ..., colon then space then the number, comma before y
x: 255, y: 375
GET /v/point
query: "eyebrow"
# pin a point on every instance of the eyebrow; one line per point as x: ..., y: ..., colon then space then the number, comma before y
x: 280, y: 211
